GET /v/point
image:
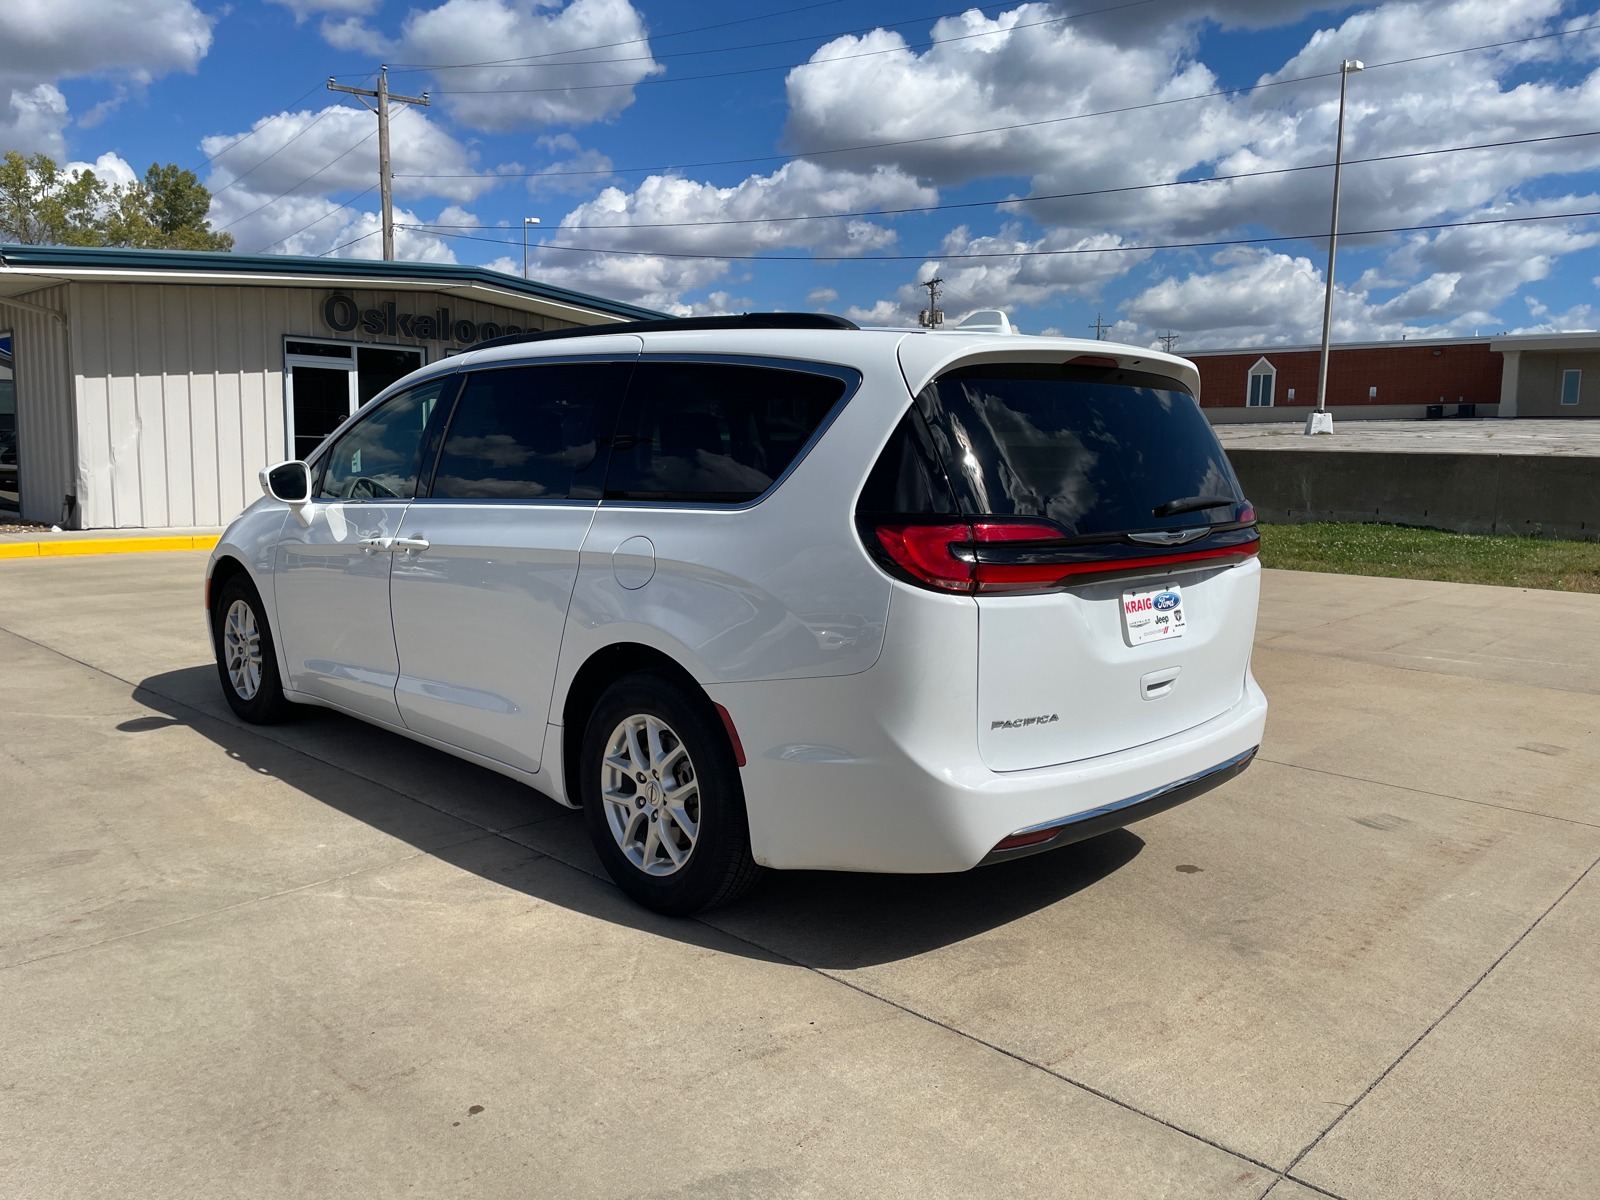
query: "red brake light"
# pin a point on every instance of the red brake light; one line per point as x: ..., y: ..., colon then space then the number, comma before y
x: 946, y: 557
x: 924, y: 550
x: 1092, y: 360
x: 1247, y: 514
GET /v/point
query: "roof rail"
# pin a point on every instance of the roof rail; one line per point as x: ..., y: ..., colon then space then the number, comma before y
x: 772, y: 320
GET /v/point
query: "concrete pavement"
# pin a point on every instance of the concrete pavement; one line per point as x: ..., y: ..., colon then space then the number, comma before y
x: 322, y: 960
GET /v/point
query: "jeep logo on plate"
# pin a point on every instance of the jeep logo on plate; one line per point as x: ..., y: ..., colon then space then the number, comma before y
x: 1020, y: 722
x: 1167, y: 600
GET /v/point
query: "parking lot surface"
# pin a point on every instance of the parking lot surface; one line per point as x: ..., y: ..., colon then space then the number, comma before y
x: 321, y: 960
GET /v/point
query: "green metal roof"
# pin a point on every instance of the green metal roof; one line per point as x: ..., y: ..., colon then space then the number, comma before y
x: 188, y: 262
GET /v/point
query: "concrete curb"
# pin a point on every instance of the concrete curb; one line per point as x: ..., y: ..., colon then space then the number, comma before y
x: 130, y: 545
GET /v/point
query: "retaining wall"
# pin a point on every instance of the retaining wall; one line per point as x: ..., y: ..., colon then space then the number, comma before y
x: 1557, y: 497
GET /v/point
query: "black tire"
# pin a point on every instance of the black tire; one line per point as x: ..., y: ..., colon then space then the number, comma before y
x: 717, y: 867
x: 266, y: 705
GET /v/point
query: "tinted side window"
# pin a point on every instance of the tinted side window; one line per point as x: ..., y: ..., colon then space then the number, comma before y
x: 531, y: 433
x: 907, y: 479
x: 714, y: 432
x: 378, y: 456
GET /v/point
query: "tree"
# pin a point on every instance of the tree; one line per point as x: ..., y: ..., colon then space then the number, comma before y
x: 40, y: 204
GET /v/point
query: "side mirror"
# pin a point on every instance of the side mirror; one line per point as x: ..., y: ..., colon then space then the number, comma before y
x: 290, y: 483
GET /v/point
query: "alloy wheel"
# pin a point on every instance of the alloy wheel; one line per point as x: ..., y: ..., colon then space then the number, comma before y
x: 651, y: 794
x: 241, y: 647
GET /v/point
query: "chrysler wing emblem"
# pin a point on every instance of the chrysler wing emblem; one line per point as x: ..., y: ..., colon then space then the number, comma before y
x: 1170, y: 537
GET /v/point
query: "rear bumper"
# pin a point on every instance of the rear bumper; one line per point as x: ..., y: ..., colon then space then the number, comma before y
x: 1123, y: 813
x: 832, y: 784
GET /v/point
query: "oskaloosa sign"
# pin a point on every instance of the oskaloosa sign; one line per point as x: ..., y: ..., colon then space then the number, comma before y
x: 341, y: 315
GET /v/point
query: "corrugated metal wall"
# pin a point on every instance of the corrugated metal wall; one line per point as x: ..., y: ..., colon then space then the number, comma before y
x: 180, y: 390
x: 43, y: 374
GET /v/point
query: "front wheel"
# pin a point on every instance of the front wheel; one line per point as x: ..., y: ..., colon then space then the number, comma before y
x: 246, y: 661
x: 662, y: 797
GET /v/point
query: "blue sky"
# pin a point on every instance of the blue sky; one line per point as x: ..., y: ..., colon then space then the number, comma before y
x: 614, y: 123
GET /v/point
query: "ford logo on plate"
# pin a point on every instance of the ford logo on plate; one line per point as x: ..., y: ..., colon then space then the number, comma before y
x: 1166, y: 600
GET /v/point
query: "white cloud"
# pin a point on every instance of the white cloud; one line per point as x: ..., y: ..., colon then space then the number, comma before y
x: 33, y: 120
x: 821, y: 296
x: 668, y: 212
x: 316, y: 225
x: 131, y: 42
x: 312, y: 153
x: 593, y: 84
x: 353, y: 34
x: 108, y: 168
x: 577, y: 175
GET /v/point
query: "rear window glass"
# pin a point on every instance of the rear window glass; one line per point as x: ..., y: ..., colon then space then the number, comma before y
x: 530, y: 433
x: 714, y: 432
x: 1096, y: 450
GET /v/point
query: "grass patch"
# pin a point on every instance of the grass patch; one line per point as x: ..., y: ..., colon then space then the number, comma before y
x: 1401, y: 552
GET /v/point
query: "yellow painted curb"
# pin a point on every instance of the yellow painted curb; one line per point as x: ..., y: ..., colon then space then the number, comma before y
x: 129, y: 545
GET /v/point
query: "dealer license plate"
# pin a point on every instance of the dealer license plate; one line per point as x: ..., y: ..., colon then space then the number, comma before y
x: 1153, y: 616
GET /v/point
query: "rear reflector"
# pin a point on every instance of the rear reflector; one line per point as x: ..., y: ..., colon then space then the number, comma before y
x: 1032, y: 838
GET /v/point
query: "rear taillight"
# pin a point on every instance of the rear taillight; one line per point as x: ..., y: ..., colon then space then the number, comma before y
x: 996, y: 557
x: 928, y: 552
x: 1247, y: 513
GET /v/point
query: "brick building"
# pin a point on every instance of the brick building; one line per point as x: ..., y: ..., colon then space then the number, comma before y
x: 1540, y: 375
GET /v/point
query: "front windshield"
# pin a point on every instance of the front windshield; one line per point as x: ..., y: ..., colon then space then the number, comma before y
x: 1097, y: 451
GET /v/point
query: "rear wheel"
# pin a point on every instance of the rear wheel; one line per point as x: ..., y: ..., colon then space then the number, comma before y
x: 662, y: 797
x: 247, y: 663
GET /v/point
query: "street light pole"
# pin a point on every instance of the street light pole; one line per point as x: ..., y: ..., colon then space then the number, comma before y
x: 526, y: 221
x: 1321, y: 421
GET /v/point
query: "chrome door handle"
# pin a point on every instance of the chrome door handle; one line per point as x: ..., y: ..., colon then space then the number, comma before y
x: 370, y: 544
x: 414, y: 544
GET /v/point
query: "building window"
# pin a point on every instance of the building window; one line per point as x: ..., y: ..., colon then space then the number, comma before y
x: 1263, y: 376
x: 1291, y: 393
x: 1569, y: 386
x: 1372, y: 393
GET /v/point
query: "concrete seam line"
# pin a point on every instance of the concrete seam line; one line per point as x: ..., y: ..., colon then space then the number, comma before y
x: 1425, y: 792
x: 1011, y: 1054
x: 76, y: 546
x: 1437, y: 1021
x: 1394, y: 666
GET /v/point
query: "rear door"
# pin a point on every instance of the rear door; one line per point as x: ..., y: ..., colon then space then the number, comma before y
x: 488, y: 555
x: 1113, y: 550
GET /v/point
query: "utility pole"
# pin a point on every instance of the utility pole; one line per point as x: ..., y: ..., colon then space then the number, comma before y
x: 385, y: 174
x: 1099, y: 328
x: 526, y: 221
x: 1321, y: 421
x: 1168, y: 340
x: 933, y: 316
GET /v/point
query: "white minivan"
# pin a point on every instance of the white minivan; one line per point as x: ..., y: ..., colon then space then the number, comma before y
x: 772, y: 591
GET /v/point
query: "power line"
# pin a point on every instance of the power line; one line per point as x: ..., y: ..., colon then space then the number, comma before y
x: 348, y: 204
x: 858, y: 29
x: 1134, y: 187
x: 1240, y: 91
x: 409, y: 68
x: 290, y: 191
x: 351, y: 242
x: 814, y: 62
x: 276, y: 152
x: 1131, y: 247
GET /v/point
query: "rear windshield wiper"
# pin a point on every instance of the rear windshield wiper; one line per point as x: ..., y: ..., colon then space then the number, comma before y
x: 1189, y: 504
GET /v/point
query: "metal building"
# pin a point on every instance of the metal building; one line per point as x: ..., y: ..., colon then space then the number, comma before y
x: 150, y: 387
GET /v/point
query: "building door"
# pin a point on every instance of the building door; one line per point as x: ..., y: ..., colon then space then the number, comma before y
x: 9, y: 501
x: 326, y: 381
